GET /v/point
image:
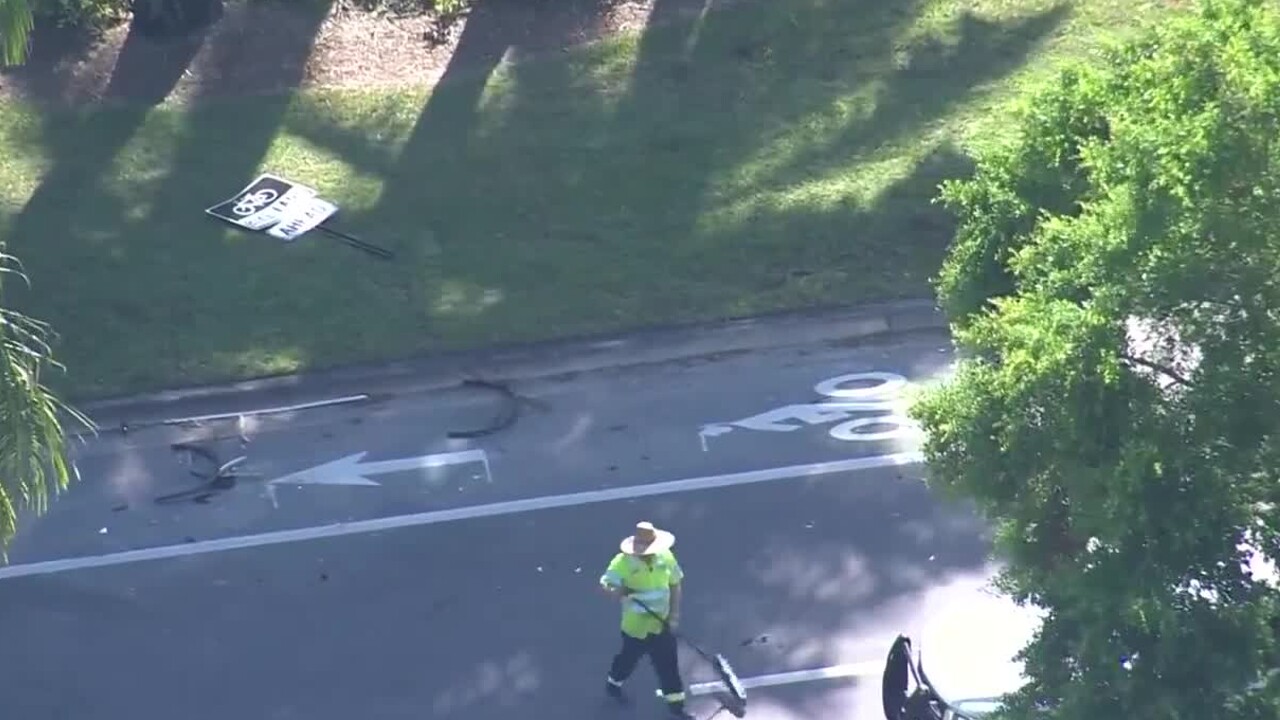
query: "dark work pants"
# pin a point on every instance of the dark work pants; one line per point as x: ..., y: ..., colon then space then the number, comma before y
x: 662, y: 652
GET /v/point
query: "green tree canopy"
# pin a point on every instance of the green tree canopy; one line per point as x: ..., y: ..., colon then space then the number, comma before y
x: 1114, y: 292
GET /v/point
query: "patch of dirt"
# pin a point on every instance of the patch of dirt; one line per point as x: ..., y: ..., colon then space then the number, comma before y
x: 266, y: 47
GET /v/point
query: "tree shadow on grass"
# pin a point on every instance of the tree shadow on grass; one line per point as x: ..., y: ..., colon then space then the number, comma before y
x: 61, y: 217
x: 81, y: 145
x: 444, y: 134
x: 540, y: 203
x: 581, y: 213
x: 441, y: 147
x: 620, y: 185
x: 104, y: 215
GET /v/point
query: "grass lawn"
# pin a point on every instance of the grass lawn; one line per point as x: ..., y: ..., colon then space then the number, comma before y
x: 771, y: 155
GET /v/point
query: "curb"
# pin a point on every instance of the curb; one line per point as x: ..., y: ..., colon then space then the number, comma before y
x: 530, y: 361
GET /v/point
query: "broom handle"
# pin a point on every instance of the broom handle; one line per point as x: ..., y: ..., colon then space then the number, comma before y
x: 741, y: 711
x: 663, y: 620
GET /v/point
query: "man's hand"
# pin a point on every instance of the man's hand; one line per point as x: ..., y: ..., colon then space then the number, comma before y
x: 616, y: 592
x: 673, y: 622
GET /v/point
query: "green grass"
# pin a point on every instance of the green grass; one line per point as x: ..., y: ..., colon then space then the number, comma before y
x: 772, y: 155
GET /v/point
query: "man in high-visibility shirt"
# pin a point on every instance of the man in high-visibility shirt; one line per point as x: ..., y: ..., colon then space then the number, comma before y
x: 647, y: 570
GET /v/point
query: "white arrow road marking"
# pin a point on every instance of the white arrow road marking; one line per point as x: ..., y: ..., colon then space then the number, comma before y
x: 350, y: 470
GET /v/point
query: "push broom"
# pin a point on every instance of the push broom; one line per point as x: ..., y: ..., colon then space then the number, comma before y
x: 737, y: 705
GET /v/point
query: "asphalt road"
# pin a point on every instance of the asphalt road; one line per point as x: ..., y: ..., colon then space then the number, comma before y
x: 448, y: 612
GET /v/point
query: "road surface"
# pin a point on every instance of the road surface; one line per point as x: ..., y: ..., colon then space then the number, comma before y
x: 396, y: 572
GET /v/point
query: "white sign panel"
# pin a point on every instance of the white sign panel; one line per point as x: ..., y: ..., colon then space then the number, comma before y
x: 301, y: 217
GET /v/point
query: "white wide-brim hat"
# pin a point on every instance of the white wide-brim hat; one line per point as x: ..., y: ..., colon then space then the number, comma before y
x: 647, y: 540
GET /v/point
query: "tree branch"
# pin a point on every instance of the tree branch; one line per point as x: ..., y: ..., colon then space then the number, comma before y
x: 1158, y: 368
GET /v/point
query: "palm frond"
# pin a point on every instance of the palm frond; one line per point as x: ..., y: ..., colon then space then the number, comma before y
x: 16, y: 24
x: 33, y: 462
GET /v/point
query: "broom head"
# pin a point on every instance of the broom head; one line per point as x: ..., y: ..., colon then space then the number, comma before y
x: 737, y: 693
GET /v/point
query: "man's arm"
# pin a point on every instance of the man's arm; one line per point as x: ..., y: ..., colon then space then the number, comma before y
x: 611, y: 582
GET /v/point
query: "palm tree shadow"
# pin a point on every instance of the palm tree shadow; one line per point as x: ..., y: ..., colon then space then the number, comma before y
x: 569, y: 194
x: 82, y: 146
x: 689, y: 110
x: 494, y: 30
x: 84, y: 207
x: 489, y: 204
x: 147, y: 71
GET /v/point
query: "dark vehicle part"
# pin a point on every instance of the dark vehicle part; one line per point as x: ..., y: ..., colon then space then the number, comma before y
x: 921, y: 703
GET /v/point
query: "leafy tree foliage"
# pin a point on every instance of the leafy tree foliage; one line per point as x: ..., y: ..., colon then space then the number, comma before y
x: 33, y: 464
x: 1114, y: 291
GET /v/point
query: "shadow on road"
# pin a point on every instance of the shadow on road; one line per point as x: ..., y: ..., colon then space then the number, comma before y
x: 496, y: 616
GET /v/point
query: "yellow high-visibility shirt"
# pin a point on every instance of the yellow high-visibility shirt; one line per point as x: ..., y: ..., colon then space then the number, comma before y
x: 650, y: 584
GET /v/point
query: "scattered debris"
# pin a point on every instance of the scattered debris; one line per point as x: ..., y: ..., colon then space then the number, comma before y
x: 222, y: 477
x: 511, y: 411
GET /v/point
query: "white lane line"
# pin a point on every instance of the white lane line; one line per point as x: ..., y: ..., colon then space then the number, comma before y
x: 832, y: 672
x: 463, y: 513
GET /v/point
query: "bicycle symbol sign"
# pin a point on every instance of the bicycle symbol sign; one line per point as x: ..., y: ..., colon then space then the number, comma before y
x: 251, y: 203
x: 845, y: 396
x: 262, y: 203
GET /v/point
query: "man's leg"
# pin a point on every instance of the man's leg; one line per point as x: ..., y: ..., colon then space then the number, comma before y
x: 665, y: 657
x: 624, y: 663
